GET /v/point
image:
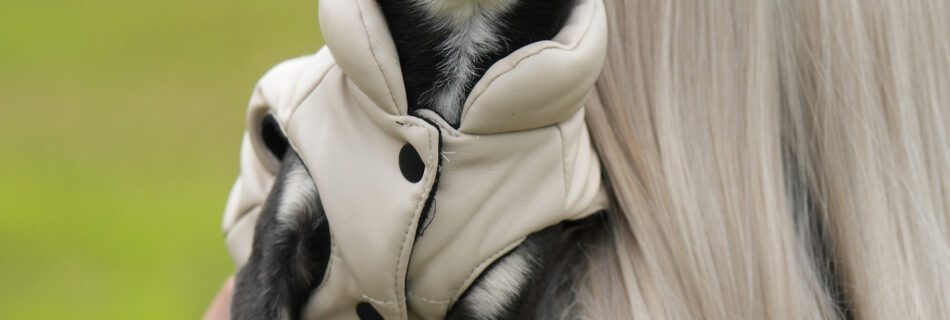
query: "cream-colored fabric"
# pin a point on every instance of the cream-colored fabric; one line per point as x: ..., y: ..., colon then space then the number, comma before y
x: 520, y: 161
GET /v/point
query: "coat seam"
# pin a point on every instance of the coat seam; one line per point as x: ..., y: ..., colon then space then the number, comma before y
x: 564, y: 164
x: 474, y: 273
x: 420, y: 203
x: 372, y: 52
x: 316, y: 86
x: 427, y: 300
x: 238, y: 219
x: 590, y: 23
x: 293, y: 112
x: 376, y: 301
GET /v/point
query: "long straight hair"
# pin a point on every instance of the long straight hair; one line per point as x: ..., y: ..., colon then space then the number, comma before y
x: 773, y: 159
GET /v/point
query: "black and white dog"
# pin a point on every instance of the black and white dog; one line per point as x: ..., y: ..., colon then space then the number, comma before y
x: 444, y: 47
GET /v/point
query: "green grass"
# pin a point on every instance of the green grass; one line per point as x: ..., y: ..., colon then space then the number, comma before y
x: 120, y: 123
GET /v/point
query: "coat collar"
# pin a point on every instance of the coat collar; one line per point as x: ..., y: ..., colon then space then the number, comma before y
x: 538, y: 85
x: 485, y: 186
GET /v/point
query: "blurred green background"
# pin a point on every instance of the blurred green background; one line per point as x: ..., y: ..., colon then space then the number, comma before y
x: 120, y: 123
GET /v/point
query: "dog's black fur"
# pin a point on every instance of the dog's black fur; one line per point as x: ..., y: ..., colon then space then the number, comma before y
x: 418, y: 40
x: 288, y: 260
x: 540, y: 250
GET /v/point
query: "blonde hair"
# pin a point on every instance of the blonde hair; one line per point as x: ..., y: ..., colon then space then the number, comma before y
x: 773, y: 159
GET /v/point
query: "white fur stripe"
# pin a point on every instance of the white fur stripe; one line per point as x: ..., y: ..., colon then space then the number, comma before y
x: 500, y: 285
x: 473, y: 28
x: 299, y: 193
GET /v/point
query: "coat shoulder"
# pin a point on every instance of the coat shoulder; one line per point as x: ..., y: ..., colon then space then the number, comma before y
x: 286, y: 85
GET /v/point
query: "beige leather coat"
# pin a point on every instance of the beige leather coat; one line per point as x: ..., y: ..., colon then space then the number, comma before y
x: 520, y: 161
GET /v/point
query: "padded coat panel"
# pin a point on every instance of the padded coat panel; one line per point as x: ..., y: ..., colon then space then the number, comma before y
x: 521, y: 161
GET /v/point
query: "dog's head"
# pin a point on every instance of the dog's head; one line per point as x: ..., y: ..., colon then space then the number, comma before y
x: 461, y: 10
x: 446, y: 46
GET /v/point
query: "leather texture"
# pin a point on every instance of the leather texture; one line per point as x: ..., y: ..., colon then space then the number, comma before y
x: 520, y: 161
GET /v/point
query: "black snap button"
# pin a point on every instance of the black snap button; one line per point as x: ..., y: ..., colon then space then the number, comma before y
x: 410, y: 163
x: 366, y: 312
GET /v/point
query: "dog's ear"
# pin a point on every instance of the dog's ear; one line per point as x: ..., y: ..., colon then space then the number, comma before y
x: 290, y: 251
